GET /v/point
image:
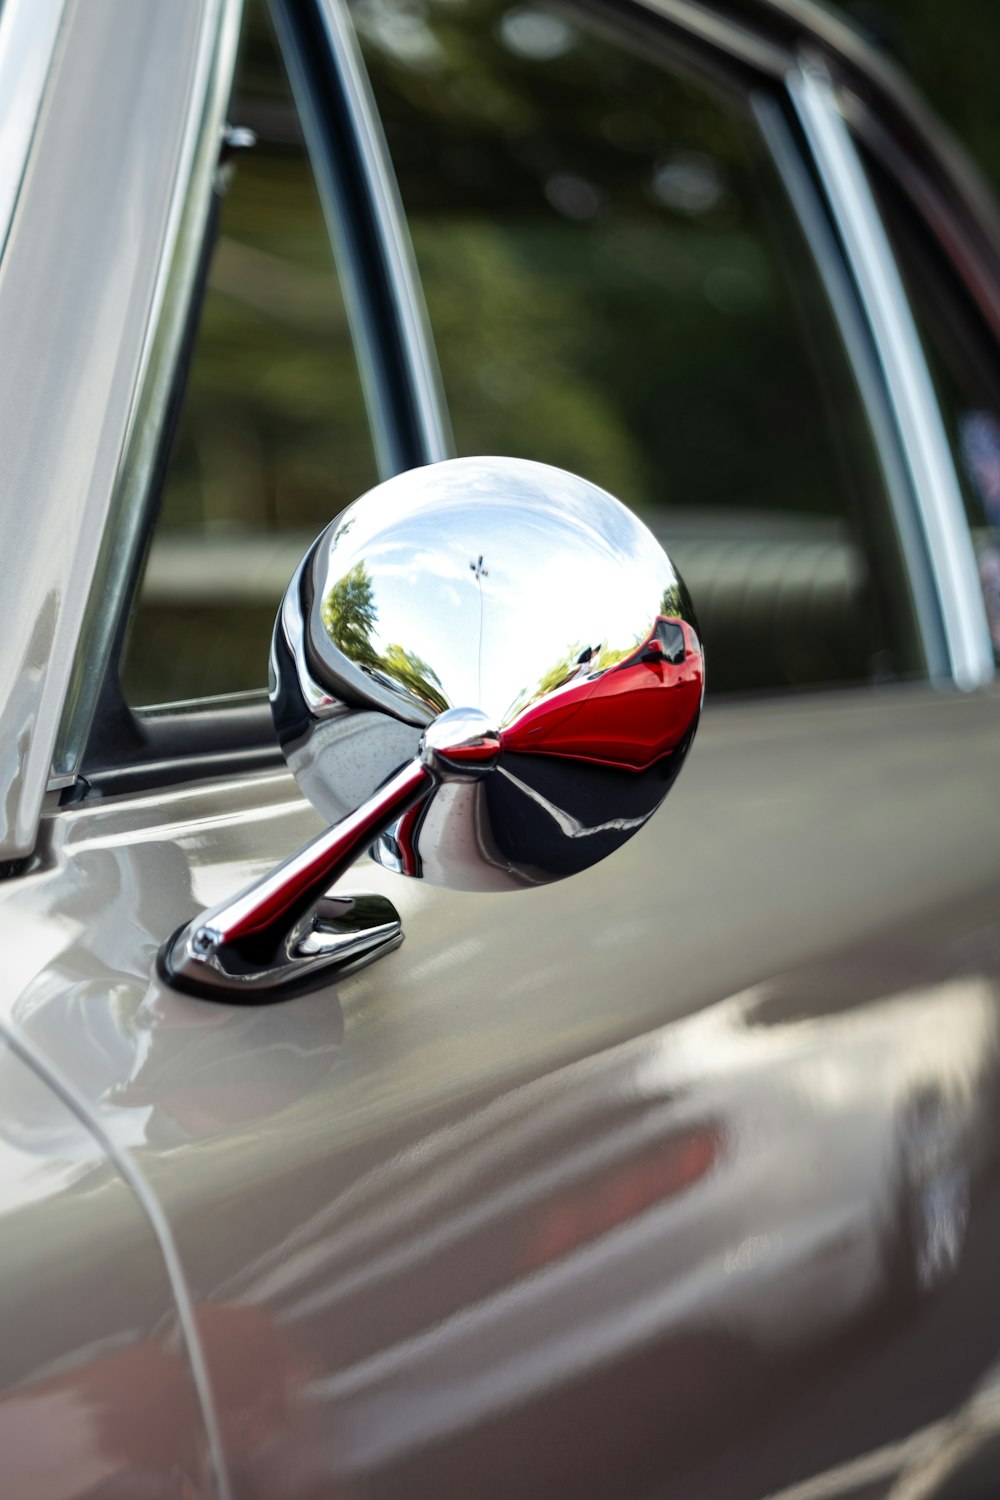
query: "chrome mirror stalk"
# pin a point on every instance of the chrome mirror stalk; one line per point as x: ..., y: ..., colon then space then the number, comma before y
x: 281, y: 932
x: 487, y: 674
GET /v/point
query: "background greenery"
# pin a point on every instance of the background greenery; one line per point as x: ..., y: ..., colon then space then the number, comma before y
x: 615, y: 285
x: 951, y: 50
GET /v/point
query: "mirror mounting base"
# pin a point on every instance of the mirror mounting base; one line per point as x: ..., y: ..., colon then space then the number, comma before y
x: 339, y: 935
x: 285, y: 934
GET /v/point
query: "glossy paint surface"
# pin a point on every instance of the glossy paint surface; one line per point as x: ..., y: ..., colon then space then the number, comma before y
x: 487, y: 1208
x: 95, y: 1388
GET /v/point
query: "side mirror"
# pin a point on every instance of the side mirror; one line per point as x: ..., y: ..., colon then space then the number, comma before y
x: 485, y: 672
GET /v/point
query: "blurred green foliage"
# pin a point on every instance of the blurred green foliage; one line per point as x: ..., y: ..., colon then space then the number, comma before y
x: 273, y: 437
x: 615, y: 283
x: 350, y: 615
x: 593, y: 236
x: 951, y: 50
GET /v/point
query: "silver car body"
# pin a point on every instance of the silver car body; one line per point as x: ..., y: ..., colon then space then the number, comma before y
x: 284, y: 1251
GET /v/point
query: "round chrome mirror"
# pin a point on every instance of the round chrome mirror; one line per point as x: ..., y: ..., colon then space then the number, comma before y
x: 519, y: 634
x: 486, y: 673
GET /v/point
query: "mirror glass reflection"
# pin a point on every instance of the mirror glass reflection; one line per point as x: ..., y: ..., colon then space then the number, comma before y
x: 459, y: 591
x: 520, y: 592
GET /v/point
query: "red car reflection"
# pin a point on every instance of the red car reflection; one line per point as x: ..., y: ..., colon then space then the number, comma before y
x: 631, y: 715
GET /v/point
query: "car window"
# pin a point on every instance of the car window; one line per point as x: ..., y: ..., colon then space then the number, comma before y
x: 616, y: 285
x: 962, y: 356
x: 272, y: 439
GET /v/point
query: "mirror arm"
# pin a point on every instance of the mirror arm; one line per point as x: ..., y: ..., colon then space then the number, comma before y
x: 535, y: 639
x: 280, y: 935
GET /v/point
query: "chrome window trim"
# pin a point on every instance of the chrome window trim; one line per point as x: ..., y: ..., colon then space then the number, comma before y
x: 800, y: 35
x: 768, y: 56
x: 181, y: 251
x: 80, y: 285
x: 29, y: 30
x: 934, y: 501
x: 79, y: 750
x: 922, y: 437
x: 724, y: 33
x: 400, y: 287
x: 805, y: 196
x: 400, y: 261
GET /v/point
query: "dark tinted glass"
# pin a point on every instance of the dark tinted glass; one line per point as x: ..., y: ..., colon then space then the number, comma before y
x: 616, y: 285
x: 273, y: 440
x: 950, y: 52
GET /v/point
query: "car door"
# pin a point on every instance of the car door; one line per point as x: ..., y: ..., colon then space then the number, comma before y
x: 668, y: 1178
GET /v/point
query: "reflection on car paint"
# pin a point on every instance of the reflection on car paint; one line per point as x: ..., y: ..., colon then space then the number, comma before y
x: 395, y: 1212
x: 748, y: 1178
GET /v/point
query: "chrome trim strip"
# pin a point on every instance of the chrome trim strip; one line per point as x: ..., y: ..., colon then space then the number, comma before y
x: 810, y: 210
x: 423, y: 374
x: 915, y: 410
x: 80, y: 286
x: 723, y: 33
x: 125, y: 525
x: 28, y: 32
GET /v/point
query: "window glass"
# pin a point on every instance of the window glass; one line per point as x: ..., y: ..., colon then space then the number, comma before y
x: 616, y: 285
x: 272, y: 440
x: 955, y: 66
x: 962, y: 355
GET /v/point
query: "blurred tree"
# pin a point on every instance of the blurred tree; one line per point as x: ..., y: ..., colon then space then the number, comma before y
x: 952, y: 53
x: 587, y: 226
x: 350, y: 616
x: 409, y: 668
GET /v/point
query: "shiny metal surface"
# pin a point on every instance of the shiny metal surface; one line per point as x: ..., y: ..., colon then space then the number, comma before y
x: 763, y: 52
x: 28, y: 32
x: 280, y: 935
x: 79, y: 280
x: 181, y: 247
x: 559, y: 690
x: 527, y: 595
x: 62, y: 1088
x: 923, y: 440
x: 392, y: 239
x: 813, y: 216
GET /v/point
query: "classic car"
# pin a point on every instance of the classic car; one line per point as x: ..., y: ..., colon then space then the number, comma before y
x: 571, y: 1144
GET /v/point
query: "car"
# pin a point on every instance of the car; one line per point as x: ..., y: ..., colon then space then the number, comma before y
x: 438, y: 1173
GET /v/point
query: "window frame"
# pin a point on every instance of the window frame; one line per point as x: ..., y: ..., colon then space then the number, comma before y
x: 94, y: 202
x: 106, y: 743
x: 358, y: 190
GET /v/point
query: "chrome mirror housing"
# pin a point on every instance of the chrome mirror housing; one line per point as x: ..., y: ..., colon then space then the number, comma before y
x: 496, y: 601
x: 487, y: 673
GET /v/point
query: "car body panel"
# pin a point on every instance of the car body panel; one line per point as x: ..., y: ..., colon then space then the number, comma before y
x: 371, y: 1174
x: 624, y: 1191
x: 98, y: 1396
